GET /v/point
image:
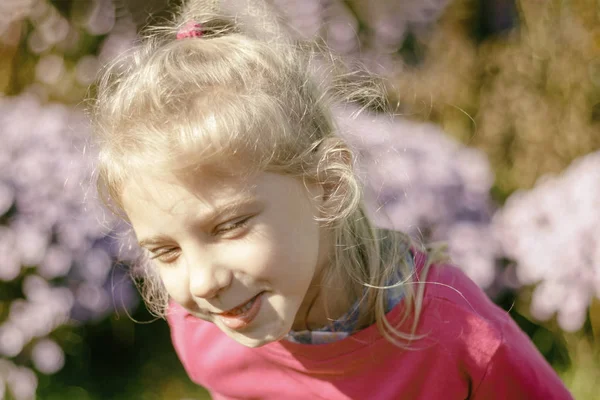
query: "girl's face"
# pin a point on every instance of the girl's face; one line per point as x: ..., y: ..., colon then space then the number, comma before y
x: 243, y: 254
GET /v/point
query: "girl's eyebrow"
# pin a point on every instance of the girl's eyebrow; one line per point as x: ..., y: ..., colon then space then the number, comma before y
x: 227, y: 208
x: 153, y: 241
x: 208, y: 217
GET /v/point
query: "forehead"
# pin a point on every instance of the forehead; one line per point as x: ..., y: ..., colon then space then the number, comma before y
x: 172, y: 194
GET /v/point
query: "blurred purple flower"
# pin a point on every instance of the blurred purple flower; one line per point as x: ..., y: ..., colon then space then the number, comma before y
x: 384, y: 23
x: 420, y: 181
x: 54, y: 225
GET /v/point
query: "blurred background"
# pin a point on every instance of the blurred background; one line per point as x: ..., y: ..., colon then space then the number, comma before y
x: 494, y: 150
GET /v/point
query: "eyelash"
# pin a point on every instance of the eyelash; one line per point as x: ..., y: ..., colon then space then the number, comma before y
x: 165, y: 255
x: 168, y: 254
x: 231, y: 226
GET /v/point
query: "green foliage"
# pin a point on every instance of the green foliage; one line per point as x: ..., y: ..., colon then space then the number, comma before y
x: 120, y: 359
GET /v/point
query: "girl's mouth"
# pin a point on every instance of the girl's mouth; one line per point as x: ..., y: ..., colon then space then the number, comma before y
x: 239, y: 317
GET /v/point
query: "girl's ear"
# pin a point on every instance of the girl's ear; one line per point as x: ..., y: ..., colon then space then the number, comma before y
x: 336, y: 178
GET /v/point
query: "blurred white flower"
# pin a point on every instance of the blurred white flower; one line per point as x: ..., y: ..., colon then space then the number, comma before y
x: 36, y: 43
x: 57, y: 262
x: 102, y: 18
x: 47, y: 356
x: 22, y: 383
x: 10, y: 262
x: 340, y: 27
x: 95, y: 266
x: 552, y: 232
x: 93, y: 298
x: 473, y: 244
x: 304, y: 17
x: 12, y: 340
x: 86, y: 69
x: 13, y: 10
x: 31, y: 241
x: 7, y: 197
x: 118, y: 41
x: 54, y: 28
x: 50, y: 69
x: 36, y: 288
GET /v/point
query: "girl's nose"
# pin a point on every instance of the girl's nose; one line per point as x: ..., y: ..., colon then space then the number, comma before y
x: 207, y: 280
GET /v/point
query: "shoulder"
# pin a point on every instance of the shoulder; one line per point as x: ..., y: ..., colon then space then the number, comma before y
x: 450, y: 287
x: 460, y: 319
x: 500, y: 360
x: 447, y: 288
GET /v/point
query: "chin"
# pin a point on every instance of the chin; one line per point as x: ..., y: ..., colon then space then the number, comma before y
x: 253, y: 342
x: 257, y: 337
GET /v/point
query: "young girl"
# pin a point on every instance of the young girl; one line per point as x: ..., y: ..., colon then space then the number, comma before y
x: 218, y: 146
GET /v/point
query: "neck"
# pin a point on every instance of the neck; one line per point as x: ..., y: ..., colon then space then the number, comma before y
x: 329, y: 296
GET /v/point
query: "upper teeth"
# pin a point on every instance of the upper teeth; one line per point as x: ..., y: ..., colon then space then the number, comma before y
x: 247, y: 306
x: 242, y: 309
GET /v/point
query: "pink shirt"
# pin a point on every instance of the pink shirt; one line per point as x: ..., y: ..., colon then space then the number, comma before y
x: 472, y: 350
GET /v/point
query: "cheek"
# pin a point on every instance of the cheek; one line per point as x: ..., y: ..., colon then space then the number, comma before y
x: 276, y: 255
x: 254, y: 256
x: 175, y: 283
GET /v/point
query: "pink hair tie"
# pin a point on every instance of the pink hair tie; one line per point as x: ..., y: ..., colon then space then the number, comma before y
x: 190, y: 29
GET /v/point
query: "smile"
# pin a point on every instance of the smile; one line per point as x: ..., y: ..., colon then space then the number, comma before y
x: 240, y: 316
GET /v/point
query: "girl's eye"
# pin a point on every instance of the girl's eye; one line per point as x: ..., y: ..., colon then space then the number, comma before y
x: 165, y: 255
x: 231, y: 226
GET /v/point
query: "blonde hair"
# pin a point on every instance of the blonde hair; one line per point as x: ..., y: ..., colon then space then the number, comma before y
x: 249, y: 97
